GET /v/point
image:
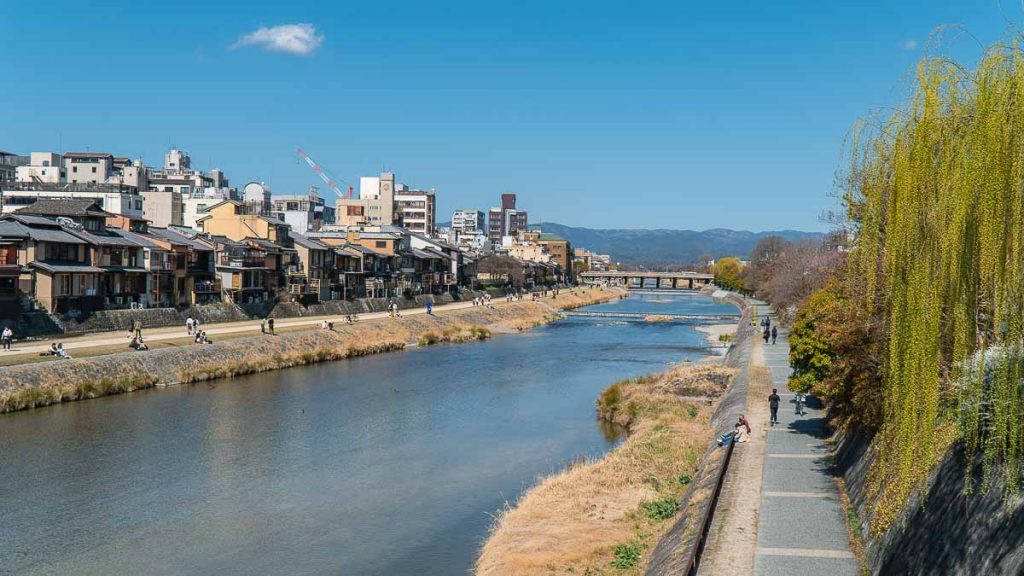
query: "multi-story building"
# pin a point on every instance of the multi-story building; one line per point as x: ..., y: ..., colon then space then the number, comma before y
x: 168, y: 190
x: 116, y: 199
x: 42, y: 168
x: 375, y: 205
x: 303, y: 212
x: 415, y: 210
x: 505, y: 220
x: 467, y: 221
x: 9, y: 163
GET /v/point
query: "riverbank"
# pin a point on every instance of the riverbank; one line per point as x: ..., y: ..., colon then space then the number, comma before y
x: 35, y: 385
x: 602, y: 515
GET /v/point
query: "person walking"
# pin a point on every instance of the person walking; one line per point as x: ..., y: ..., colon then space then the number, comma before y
x: 766, y: 335
x: 775, y: 334
x: 767, y: 322
x: 138, y: 329
x: 263, y: 326
x: 430, y: 307
x: 270, y: 325
x: 801, y: 399
x: 6, y: 337
x: 773, y: 403
x: 188, y: 325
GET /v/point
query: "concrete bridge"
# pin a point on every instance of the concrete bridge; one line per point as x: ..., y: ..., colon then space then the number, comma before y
x: 656, y: 280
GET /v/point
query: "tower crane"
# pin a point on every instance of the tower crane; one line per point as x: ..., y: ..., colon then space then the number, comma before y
x: 323, y: 175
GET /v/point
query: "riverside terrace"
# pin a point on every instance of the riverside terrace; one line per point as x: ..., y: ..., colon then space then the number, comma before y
x: 645, y: 280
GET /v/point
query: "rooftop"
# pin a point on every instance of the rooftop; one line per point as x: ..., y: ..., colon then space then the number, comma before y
x: 70, y: 207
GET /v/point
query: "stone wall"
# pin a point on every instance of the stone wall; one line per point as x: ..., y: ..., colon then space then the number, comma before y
x: 38, y: 324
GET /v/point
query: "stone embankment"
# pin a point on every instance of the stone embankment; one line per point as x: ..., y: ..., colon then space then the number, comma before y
x: 113, y: 320
x: 40, y: 384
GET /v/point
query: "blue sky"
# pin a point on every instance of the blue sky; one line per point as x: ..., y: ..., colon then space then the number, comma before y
x: 601, y: 114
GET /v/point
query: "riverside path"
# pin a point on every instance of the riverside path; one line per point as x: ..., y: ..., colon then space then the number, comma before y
x: 29, y: 348
x: 801, y: 526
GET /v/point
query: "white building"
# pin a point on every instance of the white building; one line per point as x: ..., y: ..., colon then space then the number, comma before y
x: 43, y: 168
x: 415, y: 209
x: 180, y: 182
x: 303, y: 212
x: 464, y: 221
x: 256, y: 197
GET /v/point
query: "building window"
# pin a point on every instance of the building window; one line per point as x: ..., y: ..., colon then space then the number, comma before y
x: 74, y: 169
x: 46, y: 162
x: 381, y: 244
x: 93, y: 169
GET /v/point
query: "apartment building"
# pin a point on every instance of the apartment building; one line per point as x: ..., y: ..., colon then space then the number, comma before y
x: 467, y: 221
x: 303, y: 212
x: 9, y: 163
x: 415, y: 210
x: 505, y: 220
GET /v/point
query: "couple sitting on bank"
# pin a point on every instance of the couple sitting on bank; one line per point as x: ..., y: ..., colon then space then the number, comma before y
x: 740, y: 433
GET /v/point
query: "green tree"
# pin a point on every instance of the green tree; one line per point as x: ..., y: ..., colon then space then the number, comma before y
x: 729, y: 273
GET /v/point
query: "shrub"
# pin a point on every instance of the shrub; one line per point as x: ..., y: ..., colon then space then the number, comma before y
x: 626, y: 556
x: 661, y: 509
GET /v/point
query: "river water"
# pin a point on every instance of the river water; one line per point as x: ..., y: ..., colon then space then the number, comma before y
x: 389, y: 464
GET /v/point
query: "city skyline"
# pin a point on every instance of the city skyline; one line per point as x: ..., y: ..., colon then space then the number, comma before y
x: 688, y: 112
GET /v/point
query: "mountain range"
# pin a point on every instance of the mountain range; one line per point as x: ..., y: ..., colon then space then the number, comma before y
x: 659, y: 247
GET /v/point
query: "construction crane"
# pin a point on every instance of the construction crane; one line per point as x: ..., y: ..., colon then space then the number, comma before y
x: 323, y: 175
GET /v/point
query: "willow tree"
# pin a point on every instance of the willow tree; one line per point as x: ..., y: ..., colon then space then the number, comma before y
x: 936, y: 196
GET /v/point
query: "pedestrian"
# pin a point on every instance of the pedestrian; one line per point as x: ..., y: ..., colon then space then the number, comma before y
x: 801, y: 399
x: 773, y: 403
x: 767, y: 322
x: 6, y: 337
x: 775, y: 334
x: 190, y: 325
x: 138, y: 329
x: 430, y: 307
x: 767, y: 334
x: 263, y: 326
x: 270, y: 325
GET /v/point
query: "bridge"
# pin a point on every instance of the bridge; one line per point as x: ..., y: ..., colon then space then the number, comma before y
x: 643, y: 315
x: 656, y: 280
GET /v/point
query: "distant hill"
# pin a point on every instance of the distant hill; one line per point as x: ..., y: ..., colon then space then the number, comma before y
x: 654, y: 247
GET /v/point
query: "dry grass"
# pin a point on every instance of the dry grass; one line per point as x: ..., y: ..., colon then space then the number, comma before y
x: 454, y: 335
x: 600, y: 517
x: 45, y: 396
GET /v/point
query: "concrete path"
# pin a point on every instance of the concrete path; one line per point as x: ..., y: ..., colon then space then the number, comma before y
x: 801, y: 526
x: 33, y: 348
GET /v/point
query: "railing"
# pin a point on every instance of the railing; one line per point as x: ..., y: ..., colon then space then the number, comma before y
x: 242, y: 262
x: 161, y: 265
x: 206, y: 287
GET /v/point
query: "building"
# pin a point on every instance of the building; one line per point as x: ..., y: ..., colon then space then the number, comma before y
x: 9, y: 163
x: 415, y: 210
x: 468, y: 221
x: 116, y: 199
x: 505, y: 220
x: 303, y: 212
x: 559, y: 248
x: 42, y: 168
x: 375, y: 205
x: 167, y: 191
x: 256, y: 196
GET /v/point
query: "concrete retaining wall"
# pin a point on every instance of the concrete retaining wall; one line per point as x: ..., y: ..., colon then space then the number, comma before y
x: 944, y: 531
x: 677, y: 547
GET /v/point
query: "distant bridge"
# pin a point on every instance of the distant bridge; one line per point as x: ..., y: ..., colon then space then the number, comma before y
x: 656, y: 280
x: 642, y: 315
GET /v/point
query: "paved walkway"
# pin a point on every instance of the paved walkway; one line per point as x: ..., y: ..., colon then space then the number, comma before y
x: 33, y: 348
x: 801, y: 526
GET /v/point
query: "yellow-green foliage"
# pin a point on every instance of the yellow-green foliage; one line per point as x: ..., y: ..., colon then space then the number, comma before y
x: 935, y: 198
x: 46, y: 395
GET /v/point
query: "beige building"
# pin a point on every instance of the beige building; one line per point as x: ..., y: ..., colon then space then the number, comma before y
x: 163, y: 209
x: 230, y: 219
x: 43, y: 168
x: 375, y: 205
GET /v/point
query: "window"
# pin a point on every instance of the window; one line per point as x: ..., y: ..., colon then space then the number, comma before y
x: 46, y: 163
x: 74, y: 169
x: 292, y: 206
x: 93, y: 169
x: 200, y: 207
x: 381, y: 244
x: 184, y: 190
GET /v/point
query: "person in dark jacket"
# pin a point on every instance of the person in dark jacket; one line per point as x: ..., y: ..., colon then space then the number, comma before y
x: 775, y: 334
x: 773, y: 403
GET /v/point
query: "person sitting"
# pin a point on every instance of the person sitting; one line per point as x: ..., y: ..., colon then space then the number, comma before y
x: 740, y: 434
x: 199, y: 337
x: 61, y: 352
x: 53, y: 349
x: 138, y: 344
x: 323, y: 325
x: 206, y: 340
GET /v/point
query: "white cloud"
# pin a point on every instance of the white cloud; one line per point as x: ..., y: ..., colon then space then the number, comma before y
x: 300, y: 39
x: 908, y: 44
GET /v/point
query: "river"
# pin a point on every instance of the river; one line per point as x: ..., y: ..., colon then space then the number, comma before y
x: 390, y: 464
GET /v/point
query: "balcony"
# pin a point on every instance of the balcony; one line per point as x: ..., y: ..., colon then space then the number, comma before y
x: 161, y: 265
x: 242, y: 262
x: 207, y: 287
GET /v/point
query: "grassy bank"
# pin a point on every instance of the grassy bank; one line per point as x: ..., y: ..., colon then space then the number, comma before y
x: 42, y: 384
x: 600, y: 517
